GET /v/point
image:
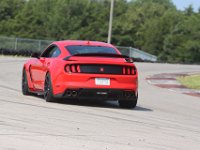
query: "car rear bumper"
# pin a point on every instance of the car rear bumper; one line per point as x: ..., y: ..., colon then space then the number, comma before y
x: 98, y: 94
x: 84, y: 82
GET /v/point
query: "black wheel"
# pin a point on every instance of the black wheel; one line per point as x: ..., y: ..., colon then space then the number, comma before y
x: 128, y: 103
x: 25, y: 89
x: 48, y: 92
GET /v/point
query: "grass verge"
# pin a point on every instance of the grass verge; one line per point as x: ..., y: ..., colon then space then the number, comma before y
x: 192, y: 81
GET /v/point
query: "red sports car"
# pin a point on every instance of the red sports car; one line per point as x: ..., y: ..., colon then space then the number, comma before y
x: 82, y: 70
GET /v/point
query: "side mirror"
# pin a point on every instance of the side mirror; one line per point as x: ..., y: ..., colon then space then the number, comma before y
x: 35, y: 55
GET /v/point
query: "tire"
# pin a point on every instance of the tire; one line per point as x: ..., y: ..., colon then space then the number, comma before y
x: 48, y: 92
x: 25, y: 88
x: 128, y: 103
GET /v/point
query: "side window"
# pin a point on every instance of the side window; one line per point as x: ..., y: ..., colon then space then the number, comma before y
x: 51, y: 52
x: 56, y: 52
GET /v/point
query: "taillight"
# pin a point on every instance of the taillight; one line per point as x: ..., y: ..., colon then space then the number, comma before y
x: 73, y: 68
x: 129, y: 70
x: 67, y: 68
x: 78, y: 68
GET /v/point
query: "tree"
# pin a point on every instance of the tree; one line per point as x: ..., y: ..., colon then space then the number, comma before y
x: 8, y: 11
x: 155, y: 26
x: 182, y: 45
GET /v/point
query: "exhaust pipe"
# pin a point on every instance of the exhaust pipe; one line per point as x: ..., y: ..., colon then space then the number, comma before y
x: 69, y: 93
x: 74, y: 93
x: 128, y: 94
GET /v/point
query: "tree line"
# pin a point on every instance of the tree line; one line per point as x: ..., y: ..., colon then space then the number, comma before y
x: 154, y: 26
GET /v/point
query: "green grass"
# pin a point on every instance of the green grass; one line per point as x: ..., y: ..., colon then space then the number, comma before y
x: 192, y: 81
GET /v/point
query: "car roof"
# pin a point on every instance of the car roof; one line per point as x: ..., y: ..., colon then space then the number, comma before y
x: 81, y: 42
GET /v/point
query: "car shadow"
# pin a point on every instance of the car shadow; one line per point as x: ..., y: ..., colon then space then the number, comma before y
x: 100, y: 104
x: 94, y: 103
x: 139, y: 108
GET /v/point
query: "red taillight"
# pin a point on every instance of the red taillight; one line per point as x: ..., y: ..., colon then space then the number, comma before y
x: 129, y: 70
x: 133, y: 70
x: 67, y: 68
x: 124, y: 70
x: 78, y: 68
x: 73, y: 68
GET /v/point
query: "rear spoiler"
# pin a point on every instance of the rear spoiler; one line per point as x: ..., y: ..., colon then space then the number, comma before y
x: 127, y: 58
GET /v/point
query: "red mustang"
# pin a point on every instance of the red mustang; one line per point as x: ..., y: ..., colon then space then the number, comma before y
x: 82, y: 70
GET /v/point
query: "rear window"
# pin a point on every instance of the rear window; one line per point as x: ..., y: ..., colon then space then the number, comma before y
x: 77, y: 49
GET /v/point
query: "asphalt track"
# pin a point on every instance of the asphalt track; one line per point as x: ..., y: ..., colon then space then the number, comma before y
x: 162, y: 120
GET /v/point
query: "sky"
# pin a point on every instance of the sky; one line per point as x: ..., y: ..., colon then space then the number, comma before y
x: 182, y: 4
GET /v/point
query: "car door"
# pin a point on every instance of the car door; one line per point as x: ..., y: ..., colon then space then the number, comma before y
x: 40, y: 68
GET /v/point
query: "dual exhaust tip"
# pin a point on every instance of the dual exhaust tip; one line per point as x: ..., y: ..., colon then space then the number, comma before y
x: 71, y: 93
x: 128, y: 94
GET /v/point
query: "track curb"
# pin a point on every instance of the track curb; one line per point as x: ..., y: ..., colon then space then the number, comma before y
x: 168, y: 81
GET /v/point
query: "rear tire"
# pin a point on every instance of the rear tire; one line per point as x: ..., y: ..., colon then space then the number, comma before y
x: 25, y: 88
x: 128, y: 103
x: 48, y: 92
